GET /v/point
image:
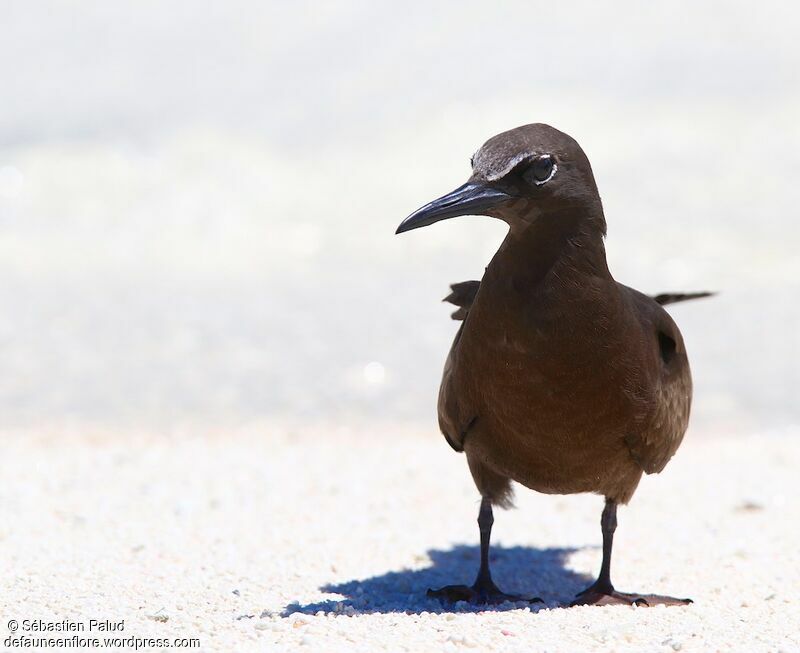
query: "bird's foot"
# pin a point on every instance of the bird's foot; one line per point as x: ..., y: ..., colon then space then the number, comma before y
x: 480, y: 593
x: 607, y: 595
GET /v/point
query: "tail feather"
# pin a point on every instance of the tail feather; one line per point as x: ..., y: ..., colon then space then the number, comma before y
x: 675, y: 297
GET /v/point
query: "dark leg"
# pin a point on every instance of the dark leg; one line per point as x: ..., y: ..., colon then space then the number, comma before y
x: 483, y: 590
x: 602, y: 592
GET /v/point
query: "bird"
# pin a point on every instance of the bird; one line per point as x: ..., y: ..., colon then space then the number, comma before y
x: 559, y: 378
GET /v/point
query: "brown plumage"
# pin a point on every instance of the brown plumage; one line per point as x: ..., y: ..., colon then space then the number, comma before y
x: 559, y: 378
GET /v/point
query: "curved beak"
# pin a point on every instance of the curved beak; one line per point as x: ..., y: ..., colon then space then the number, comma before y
x: 469, y: 199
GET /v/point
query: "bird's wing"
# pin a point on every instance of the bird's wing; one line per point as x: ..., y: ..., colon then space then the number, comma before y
x: 665, y: 374
x: 456, y: 415
x: 654, y: 444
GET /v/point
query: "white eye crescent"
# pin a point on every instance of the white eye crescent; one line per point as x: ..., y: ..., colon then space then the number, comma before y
x: 542, y: 169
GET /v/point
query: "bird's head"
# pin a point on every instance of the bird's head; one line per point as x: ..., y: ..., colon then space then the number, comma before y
x: 521, y: 176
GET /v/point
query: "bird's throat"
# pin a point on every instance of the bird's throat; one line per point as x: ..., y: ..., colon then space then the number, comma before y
x: 558, y: 247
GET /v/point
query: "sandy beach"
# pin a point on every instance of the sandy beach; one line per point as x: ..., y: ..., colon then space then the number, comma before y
x: 276, y: 539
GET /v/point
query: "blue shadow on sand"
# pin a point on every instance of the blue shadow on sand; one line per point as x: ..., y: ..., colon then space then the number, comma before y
x: 518, y: 570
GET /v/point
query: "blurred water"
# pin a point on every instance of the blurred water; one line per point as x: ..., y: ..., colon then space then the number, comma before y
x: 197, y: 201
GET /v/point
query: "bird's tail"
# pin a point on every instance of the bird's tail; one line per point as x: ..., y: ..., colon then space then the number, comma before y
x: 675, y: 297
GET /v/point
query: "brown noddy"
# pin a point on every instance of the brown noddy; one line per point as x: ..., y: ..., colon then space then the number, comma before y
x: 559, y: 378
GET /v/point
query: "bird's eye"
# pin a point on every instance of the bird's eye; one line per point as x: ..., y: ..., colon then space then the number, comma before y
x: 541, y: 170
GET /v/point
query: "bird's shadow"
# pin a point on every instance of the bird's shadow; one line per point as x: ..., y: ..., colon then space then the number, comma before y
x: 520, y: 570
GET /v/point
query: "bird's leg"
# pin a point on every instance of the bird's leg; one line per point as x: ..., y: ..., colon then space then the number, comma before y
x: 602, y: 592
x: 483, y: 590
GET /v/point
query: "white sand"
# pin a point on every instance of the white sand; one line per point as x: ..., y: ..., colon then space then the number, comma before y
x: 329, y: 540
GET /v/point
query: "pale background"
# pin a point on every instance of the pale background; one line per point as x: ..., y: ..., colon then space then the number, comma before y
x: 198, y: 200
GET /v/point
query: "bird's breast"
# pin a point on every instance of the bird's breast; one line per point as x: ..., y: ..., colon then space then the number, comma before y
x: 544, y: 366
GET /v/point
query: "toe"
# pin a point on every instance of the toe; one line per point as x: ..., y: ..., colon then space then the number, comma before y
x: 590, y: 597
